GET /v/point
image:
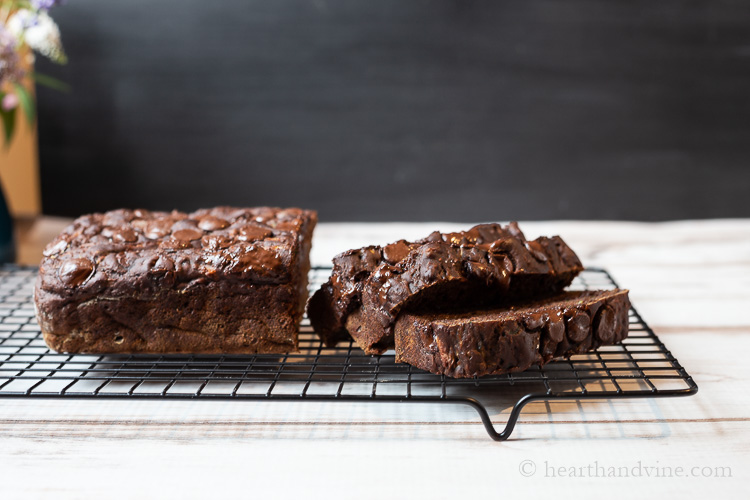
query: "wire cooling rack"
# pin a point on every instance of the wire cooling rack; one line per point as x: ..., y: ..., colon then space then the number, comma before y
x: 639, y: 367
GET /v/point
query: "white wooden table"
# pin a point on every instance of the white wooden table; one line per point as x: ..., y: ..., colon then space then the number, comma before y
x: 690, y: 281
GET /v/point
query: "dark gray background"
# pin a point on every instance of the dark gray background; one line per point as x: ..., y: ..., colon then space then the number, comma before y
x: 403, y: 110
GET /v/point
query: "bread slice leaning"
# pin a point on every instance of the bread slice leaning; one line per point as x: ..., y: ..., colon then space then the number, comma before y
x: 512, y: 339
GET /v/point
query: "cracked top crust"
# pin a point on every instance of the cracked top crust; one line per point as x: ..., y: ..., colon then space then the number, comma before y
x: 143, y: 249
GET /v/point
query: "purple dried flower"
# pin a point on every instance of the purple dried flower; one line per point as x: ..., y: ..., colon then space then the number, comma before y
x: 10, y: 62
x: 45, y: 4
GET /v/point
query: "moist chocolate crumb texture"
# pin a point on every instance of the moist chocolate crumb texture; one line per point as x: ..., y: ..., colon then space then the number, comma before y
x: 488, y: 264
x: 512, y: 339
x: 221, y: 280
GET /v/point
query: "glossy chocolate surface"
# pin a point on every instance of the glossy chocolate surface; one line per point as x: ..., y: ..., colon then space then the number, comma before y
x: 255, y: 244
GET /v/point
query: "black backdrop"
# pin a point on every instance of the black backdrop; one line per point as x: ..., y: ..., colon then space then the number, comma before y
x: 403, y: 110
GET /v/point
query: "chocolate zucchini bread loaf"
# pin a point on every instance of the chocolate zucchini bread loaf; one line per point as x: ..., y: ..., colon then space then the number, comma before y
x: 486, y: 265
x: 511, y: 339
x: 221, y: 280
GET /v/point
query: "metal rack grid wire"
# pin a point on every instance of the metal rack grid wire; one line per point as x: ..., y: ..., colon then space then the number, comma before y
x: 641, y: 366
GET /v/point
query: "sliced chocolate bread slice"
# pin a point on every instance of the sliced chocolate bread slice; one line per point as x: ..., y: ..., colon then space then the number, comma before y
x: 511, y: 339
x: 330, y: 306
x: 448, y: 274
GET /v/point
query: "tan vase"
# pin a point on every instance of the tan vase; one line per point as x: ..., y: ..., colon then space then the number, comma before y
x: 19, y: 171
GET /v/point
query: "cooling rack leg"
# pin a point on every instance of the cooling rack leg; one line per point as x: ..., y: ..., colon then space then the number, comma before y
x: 512, y: 419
